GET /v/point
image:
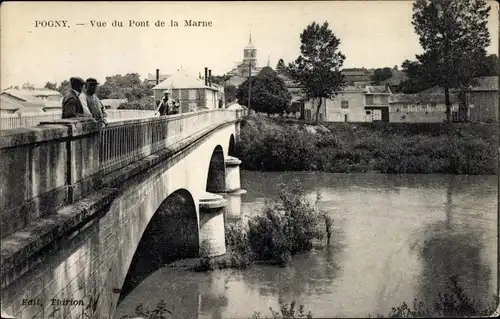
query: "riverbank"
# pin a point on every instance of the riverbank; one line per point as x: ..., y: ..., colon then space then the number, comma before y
x: 276, y: 144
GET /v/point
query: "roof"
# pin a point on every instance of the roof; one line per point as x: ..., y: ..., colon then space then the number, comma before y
x: 422, y: 98
x: 486, y: 83
x: 21, y: 95
x: 355, y: 71
x: 353, y: 89
x: 181, y: 80
x: 8, y: 104
x: 377, y: 89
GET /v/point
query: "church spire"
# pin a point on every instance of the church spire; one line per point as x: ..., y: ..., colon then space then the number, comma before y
x: 268, y: 60
x: 250, y: 37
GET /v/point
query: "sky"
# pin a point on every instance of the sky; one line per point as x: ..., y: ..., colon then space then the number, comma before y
x: 372, y: 34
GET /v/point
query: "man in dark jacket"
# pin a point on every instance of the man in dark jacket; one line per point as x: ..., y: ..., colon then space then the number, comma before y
x: 71, y: 105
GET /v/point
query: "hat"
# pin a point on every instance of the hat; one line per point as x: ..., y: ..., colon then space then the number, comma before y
x: 76, y: 79
x: 91, y: 81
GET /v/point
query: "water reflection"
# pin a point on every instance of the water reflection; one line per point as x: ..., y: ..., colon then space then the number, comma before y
x: 396, y: 237
x: 455, y: 247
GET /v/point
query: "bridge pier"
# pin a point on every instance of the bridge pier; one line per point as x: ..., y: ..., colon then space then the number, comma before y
x: 212, y: 232
x: 233, y: 188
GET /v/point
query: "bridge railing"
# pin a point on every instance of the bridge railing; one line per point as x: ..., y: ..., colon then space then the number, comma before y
x: 57, y: 163
x: 13, y: 121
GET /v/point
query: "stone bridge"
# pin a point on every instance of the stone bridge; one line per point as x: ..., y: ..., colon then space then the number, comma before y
x: 87, y: 212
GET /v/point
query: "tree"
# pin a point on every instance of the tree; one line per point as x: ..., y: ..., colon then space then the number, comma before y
x: 317, y: 68
x: 454, y: 36
x: 417, y: 78
x: 491, y: 66
x: 28, y: 86
x: 230, y: 92
x: 380, y: 75
x: 127, y: 86
x: 220, y: 79
x: 51, y: 86
x: 268, y: 93
x: 281, y: 67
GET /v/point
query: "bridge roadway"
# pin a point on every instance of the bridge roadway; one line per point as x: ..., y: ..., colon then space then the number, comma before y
x: 86, y: 213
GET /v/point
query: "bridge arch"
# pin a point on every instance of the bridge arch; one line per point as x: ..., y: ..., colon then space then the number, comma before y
x: 232, y: 146
x: 171, y: 234
x: 216, y: 179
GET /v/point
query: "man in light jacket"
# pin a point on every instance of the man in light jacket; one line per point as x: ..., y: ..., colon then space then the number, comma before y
x: 89, y: 100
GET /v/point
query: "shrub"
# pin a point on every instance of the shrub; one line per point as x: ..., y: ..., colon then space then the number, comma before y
x: 286, y: 227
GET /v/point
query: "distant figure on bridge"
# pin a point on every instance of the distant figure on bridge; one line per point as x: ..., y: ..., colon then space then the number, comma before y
x: 71, y: 105
x: 89, y: 100
x: 165, y: 106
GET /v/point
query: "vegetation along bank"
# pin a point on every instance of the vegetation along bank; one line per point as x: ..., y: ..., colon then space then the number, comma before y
x: 281, y: 144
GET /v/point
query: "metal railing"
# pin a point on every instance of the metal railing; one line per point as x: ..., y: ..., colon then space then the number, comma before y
x: 125, y: 142
x: 12, y: 121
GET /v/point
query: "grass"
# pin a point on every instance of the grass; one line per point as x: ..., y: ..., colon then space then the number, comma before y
x: 274, y: 144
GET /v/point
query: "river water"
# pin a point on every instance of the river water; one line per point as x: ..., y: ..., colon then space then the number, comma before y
x: 396, y: 238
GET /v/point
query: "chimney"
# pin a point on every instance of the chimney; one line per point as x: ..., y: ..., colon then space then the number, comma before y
x: 199, y: 75
x: 157, y: 76
x: 210, y: 77
x: 206, y: 76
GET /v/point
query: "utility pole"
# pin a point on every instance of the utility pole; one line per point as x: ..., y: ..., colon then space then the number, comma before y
x: 249, y: 83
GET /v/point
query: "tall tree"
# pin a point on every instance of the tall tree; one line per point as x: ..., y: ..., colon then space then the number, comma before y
x: 317, y: 68
x: 454, y: 36
x: 268, y: 93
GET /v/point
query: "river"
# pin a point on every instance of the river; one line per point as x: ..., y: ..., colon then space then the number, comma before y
x: 396, y: 238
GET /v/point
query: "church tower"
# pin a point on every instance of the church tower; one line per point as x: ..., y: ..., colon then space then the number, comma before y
x: 250, y: 53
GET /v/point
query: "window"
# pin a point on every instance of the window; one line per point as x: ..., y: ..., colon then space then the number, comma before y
x: 368, y: 112
x: 344, y: 104
x: 433, y: 104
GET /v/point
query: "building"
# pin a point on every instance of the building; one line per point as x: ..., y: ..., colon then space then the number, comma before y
x: 424, y: 107
x: 355, y: 76
x: 377, y: 102
x: 241, y: 72
x: 482, y: 100
x: 27, y: 101
x: 193, y: 93
x: 395, y: 80
x: 347, y: 106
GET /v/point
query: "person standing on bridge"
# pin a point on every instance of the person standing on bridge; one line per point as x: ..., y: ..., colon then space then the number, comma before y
x: 71, y: 105
x: 165, y: 106
x: 89, y: 100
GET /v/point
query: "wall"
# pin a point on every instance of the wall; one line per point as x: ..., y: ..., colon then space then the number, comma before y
x: 424, y: 113
x: 485, y: 106
x: 332, y: 111
x: 91, y: 264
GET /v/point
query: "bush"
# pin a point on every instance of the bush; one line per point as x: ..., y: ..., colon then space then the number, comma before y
x: 285, y: 228
x: 286, y: 312
x: 271, y: 144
